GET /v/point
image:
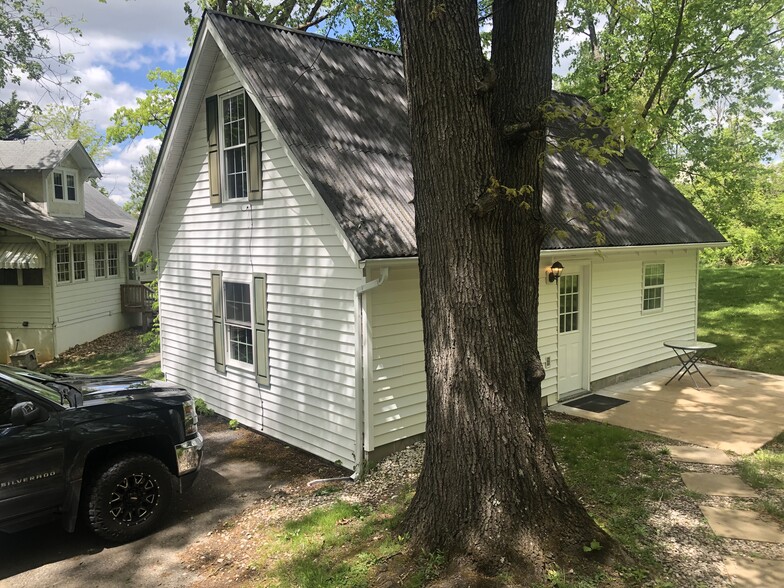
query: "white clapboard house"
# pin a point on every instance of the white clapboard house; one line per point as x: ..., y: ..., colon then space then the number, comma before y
x: 64, y: 276
x: 281, y: 215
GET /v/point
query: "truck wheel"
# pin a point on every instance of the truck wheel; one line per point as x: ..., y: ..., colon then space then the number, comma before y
x: 129, y: 497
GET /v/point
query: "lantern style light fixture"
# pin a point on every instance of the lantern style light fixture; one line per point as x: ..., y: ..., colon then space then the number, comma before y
x: 555, y: 272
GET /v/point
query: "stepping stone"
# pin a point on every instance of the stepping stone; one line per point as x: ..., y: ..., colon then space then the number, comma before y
x: 741, y: 524
x: 717, y: 484
x: 705, y: 455
x: 755, y: 573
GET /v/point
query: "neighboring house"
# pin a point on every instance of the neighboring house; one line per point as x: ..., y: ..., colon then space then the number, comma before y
x: 63, y: 250
x: 281, y: 214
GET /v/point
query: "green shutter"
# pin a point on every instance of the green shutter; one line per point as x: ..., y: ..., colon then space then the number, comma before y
x: 254, y: 149
x: 213, y: 149
x: 260, y: 328
x: 217, y: 322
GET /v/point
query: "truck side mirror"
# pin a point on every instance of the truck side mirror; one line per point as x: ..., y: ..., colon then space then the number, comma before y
x: 26, y: 413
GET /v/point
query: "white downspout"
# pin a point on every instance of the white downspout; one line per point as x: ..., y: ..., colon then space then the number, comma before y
x: 361, y: 328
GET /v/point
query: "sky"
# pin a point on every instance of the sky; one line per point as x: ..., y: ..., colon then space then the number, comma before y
x: 121, y: 41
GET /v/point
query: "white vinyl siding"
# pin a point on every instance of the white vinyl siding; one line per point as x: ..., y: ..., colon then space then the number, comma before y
x: 397, y: 368
x: 621, y: 337
x: 397, y: 378
x: 548, y: 336
x: 309, y: 401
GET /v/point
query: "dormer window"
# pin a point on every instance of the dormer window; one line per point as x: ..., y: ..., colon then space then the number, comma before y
x: 64, y: 185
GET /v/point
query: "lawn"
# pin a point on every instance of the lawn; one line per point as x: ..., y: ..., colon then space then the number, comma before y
x: 741, y: 310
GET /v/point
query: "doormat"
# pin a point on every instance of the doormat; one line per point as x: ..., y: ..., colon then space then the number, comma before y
x: 595, y: 403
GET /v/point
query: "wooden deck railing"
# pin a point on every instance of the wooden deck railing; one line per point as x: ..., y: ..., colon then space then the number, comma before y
x: 137, y: 298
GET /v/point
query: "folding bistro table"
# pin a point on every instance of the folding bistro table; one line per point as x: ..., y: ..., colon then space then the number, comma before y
x: 689, y: 353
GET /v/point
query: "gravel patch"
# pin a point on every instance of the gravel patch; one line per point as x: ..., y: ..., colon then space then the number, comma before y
x: 690, y: 554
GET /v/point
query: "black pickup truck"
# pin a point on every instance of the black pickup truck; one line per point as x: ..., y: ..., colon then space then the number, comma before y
x: 110, y: 449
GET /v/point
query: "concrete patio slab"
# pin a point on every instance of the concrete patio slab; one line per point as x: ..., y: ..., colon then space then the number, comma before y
x: 691, y: 454
x: 740, y: 413
x: 755, y: 573
x: 717, y: 484
x: 741, y: 524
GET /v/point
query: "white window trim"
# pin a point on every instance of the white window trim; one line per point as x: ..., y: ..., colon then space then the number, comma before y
x: 222, y: 148
x: 65, y: 172
x: 230, y: 361
x: 645, y: 288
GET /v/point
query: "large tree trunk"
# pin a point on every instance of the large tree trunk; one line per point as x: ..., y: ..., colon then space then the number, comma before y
x: 490, y: 489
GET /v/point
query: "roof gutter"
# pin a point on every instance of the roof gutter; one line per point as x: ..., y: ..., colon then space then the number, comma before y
x: 361, y: 362
x: 632, y: 248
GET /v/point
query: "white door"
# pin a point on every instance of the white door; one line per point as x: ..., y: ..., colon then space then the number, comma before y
x: 570, y: 333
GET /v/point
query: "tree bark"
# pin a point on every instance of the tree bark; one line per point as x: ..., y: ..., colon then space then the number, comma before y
x: 490, y: 493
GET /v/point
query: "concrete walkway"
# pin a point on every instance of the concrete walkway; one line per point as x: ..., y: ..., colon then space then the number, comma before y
x: 741, y: 411
x: 143, y: 365
x: 733, y: 523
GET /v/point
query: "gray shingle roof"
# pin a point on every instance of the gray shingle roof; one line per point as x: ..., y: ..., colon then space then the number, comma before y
x: 103, y: 219
x: 342, y: 110
x: 42, y: 155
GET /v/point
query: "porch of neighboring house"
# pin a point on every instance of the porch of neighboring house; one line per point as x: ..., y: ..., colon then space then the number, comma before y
x: 740, y: 412
x: 139, y: 299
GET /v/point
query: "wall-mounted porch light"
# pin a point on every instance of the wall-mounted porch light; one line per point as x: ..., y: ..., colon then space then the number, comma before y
x: 555, y: 272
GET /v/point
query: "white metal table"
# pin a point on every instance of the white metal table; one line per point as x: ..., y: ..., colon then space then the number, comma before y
x: 689, y: 353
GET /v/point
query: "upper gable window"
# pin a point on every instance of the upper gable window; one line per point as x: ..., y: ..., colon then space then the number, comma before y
x: 234, y: 147
x: 64, y: 185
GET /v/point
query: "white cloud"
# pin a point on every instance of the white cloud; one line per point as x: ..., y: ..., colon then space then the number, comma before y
x: 117, y: 169
x: 121, y: 40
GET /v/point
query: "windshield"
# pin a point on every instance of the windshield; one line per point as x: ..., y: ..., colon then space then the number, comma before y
x: 34, y: 387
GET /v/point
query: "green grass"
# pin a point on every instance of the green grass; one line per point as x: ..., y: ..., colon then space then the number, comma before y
x: 764, y: 470
x: 619, y: 480
x: 341, y: 545
x: 99, y: 365
x: 154, y: 373
x: 741, y: 310
x: 346, y: 545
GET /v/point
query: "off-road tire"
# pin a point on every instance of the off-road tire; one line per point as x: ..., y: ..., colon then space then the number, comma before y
x: 129, y: 497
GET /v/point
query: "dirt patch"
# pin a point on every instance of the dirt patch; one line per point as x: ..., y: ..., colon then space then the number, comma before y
x: 121, y: 342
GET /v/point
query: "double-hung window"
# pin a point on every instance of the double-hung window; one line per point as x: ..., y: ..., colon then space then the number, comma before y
x: 100, y: 260
x: 63, y: 264
x: 79, y: 262
x: 58, y: 186
x: 653, y: 286
x: 234, y: 147
x: 70, y: 186
x: 239, y: 323
x: 113, y: 259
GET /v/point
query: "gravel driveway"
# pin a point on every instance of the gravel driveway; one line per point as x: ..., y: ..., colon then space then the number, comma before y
x: 239, y: 469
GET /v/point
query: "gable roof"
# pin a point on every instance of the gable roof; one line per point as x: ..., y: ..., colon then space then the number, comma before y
x: 43, y: 155
x: 103, y: 219
x: 342, y: 111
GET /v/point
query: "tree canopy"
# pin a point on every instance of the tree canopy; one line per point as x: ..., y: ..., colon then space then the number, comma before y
x: 26, y: 43
x: 691, y: 84
x: 10, y: 113
x: 67, y: 121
